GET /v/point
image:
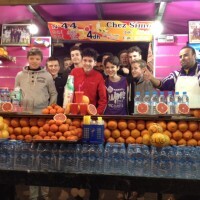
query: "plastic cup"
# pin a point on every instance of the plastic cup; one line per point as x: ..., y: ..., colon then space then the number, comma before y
x: 74, y: 108
x: 27, y: 105
x: 79, y: 96
x: 83, y: 108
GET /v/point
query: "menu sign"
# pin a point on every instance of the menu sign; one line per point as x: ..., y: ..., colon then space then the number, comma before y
x: 102, y: 31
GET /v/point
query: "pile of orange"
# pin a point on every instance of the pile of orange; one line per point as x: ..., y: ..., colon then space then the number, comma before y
x: 132, y: 131
x: 53, y: 109
x: 195, y: 112
x: 29, y: 129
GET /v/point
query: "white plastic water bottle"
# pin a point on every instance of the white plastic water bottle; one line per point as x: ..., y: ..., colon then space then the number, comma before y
x: 147, y: 100
x: 178, y: 100
x: 170, y: 103
x: 185, y: 98
x: 162, y: 98
x: 137, y: 101
x: 154, y: 102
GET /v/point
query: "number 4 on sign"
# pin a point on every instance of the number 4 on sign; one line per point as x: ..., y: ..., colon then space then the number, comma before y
x: 65, y: 26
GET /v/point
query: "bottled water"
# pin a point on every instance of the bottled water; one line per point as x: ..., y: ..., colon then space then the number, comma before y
x: 170, y: 103
x: 84, y: 160
x: 180, y: 162
x: 33, y: 154
x: 78, y: 157
x: 147, y: 100
x: 155, y: 161
x: 185, y: 98
x: 162, y: 98
x: 178, y: 100
x: 130, y: 159
x: 100, y: 158
x: 3, y: 155
x: 146, y: 161
x: 10, y: 154
x: 108, y: 158
x: 122, y: 158
x: 69, y: 91
x: 137, y: 101
x: 44, y: 156
x: 154, y: 102
x: 198, y: 161
x: 55, y: 157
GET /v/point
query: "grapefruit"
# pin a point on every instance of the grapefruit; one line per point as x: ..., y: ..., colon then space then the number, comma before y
x: 7, y: 107
x: 183, y: 108
x: 142, y: 108
x: 60, y: 117
x: 85, y: 99
x: 162, y: 108
x: 92, y: 109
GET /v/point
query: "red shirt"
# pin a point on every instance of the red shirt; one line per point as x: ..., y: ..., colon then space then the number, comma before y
x: 93, y: 86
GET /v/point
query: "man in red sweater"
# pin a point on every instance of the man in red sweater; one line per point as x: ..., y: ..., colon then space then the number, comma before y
x: 90, y: 81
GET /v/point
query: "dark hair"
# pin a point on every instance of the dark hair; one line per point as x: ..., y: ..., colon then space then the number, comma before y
x: 135, y: 49
x: 35, y: 51
x: 142, y: 63
x: 74, y: 48
x: 121, y: 52
x: 112, y: 59
x: 52, y: 59
x: 89, y: 52
x: 107, y: 54
x: 189, y: 47
x: 67, y: 58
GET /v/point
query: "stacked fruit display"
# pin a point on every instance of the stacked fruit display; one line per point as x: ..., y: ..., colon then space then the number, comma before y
x: 135, y: 131
x: 3, y: 129
x: 29, y: 129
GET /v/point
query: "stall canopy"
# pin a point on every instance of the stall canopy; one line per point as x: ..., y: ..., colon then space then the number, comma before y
x: 174, y: 14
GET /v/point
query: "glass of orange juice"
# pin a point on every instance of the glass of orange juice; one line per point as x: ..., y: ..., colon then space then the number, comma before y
x: 83, y: 108
x: 79, y: 96
x: 74, y: 108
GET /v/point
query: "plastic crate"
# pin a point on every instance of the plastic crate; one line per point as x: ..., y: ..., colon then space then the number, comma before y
x: 93, y: 134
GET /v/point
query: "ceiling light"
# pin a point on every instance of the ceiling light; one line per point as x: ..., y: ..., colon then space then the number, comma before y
x: 157, y: 28
x: 33, y: 29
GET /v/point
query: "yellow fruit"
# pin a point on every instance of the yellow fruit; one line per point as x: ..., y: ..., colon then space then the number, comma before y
x: 5, y: 134
x: 155, y: 128
x: 1, y: 125
x: 146, y: 139
x: 158, y: 139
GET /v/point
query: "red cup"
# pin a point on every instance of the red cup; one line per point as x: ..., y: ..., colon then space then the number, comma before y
x: 83, y: 108
x: 74, y: 108
x: 79, y: 96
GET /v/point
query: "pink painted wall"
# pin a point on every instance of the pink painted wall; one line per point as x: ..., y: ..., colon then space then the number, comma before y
x: 9, y: 69
x: 167, y: 56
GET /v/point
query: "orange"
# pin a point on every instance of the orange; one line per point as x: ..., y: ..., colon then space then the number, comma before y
x: 91, y: 109
x: 46, y: 127
x: 182, y: 142
x: 172, y: 126
x: 187, y: 135
x: 162, y: 124
x: 193, y: 126
x: 115, y: 133
x: 144, y: 132
x: 34, y: 130
x: 67, y: 133
x: 85, y: 99
x: 17, y: 131
x: 26, y: 130
x: 37, y: 137
x: 107, y: 133
x: 10, y: 130
x: 53, y: 137
x: 51, y: 122
x: 24, y: 122
x: 148, y: 124
x: 62, y: 138
x: 59, y: 122
x: 41, y: 122
x: 196, y: 113
x: 122, y: 125
x: 166, y: 132
x: 58, y: 134
x: 53, y: 128
x: 28, y: 138
x: 177, y: 135
x: 140, y: 125
x: 43, y: 133
x: 139, y: 140
x: 183, y: 126
x: 50, y: 133
x: 68, y: 121
x: 130, y: 140
x: 13, y: 137
x: 155, y: 128
x: 7, y: 121
x: 112, y: 124
x: 52, y: 111
x: 146, y: 139
x: 192, y: 142
x: 120, y: 140
x: 15, y: 122
x: 33, y: 121
x: 125, y: 133
x: 105, y: 124
x: 20, y: 137
x: 173, y: 142
x: 135, y: 133
x: 45, y: 111
x: 76, y: 122
x: 63, y: 127
x: 72, y: 127
x: 60, y: 110
x: 196, y: 135
x: 72, y: 138
x: 131, y: 124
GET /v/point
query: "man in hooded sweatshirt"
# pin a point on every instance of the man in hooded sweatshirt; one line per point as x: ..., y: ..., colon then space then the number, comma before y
x: 36, y: 83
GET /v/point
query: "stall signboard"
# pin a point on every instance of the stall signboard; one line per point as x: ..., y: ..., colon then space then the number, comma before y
x: 102, y: 31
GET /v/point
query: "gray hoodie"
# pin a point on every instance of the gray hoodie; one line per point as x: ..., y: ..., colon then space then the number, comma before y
x: 37, y: 85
